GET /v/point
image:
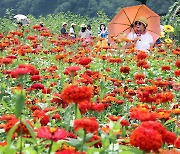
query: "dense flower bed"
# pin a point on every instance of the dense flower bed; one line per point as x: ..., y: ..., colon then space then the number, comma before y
x: 70, y: 96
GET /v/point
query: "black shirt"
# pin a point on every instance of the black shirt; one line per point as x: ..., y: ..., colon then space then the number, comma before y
x: 63, y: 31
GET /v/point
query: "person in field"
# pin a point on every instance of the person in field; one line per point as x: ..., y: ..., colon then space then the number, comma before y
x: 103, y: 34
x: 140, y: 37
x: 72, y: 31
x: 64, y: 28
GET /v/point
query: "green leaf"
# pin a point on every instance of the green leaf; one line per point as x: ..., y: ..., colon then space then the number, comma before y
x: 74, y: 142
x: 31, y: 131
x: 30, y: 150
x: 78, y: 113
x: 91, y: 143
x: 8, y: 150
x: 169, y: 121
x: 20, y: 99
x: 94, y: 150
x: 10, y: 133
x: 80, y: 133
x: 56, y: 145
x: 88, y: 136
x: 105, y: 143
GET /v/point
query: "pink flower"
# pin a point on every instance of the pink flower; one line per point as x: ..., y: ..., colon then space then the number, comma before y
x: 54, y: 134
x: 72, y: 69
x: 20, y: 71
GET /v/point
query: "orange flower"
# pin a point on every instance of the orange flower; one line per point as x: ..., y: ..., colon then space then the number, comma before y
x: 12, y: 122
x: 176, y: 111
x: 141, y: 55
x: 76, y: 94
x: 177, y: 64
x: 90, y: 125
x: 141, y: 63
x: 139, y: 76
x: 177, y: 73
x: 163, y: 114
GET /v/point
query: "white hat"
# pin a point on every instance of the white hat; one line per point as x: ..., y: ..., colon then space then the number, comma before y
x: 73, y: 24
x: 64, y: 23
x: 83, y: 25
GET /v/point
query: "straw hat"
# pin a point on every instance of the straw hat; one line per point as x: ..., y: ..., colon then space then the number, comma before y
x: 73, y: 24
x: 143, y: 20
x: 64, y: 23
x: 83, y: 25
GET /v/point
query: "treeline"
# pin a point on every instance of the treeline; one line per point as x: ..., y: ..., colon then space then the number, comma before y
x: 82, y: 7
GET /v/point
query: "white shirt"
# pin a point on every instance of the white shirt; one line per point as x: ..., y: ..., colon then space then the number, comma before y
x: 71, y: 31
x: 143, y: 43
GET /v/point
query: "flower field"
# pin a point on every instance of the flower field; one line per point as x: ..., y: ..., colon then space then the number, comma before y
x: 67, y: 96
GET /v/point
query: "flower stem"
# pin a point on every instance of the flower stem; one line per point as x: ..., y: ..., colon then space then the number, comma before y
x: 76, y: 107
x: 50, y: 148
x: 20, y: 150
x: 84, y: 136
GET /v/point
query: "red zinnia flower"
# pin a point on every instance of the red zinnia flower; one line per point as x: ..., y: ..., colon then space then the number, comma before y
x: 177, y: 64
x: 46, y: 91
x: 37, y: 86
x: 35, y: 78
x: 165, y: 68
x: 124, y: 122
x: 54, y: 134
x: 11, y: 56
x: 90, y: 125
x: 146, y: 139
x: 76, y: 94
x: 114, y: 118
x: 6, y: 61
x: 124, y: 69
x: 32, y: 68
x: 70, y: 151
x: 44, y: 119
x: 3, y: 144
x: 169, y: 137
x: 154, y: 125
x: 177, y: 143
x: 56, y: 116
x: 84, y: 60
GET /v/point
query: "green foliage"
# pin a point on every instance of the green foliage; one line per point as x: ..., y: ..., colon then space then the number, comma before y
x: 173, y: 18
x: 83, y: 7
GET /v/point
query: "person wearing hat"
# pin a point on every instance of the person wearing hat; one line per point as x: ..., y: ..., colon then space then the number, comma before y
x: 72, y: 30
x: 142, y: 39
x: 63, y: 29
x: 103, y: 33
x: 84, y: 33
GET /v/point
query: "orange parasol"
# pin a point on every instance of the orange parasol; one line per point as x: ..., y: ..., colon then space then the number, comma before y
x: 122, y: 23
